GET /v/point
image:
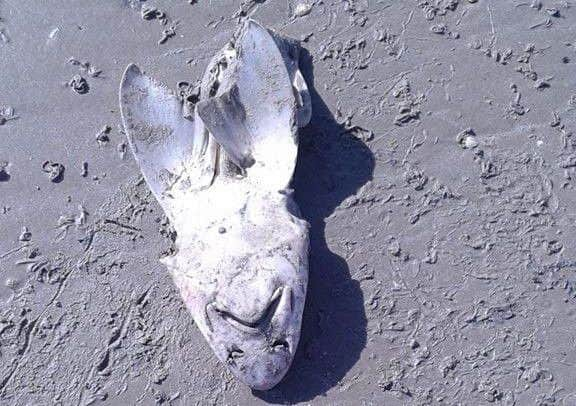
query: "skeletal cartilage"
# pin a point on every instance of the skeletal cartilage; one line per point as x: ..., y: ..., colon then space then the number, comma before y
x: 221, y: 170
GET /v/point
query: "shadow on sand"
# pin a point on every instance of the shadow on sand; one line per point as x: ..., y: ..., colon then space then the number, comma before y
x: 332, y: 165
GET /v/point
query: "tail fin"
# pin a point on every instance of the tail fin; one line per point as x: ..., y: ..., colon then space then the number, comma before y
x: 255, y: 119
x: 175, y: 154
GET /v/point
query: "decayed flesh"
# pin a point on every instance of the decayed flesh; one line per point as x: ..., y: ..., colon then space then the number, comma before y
x: 222, y: 174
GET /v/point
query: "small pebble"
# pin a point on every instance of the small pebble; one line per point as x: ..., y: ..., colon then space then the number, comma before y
x: 84, y: 170
x: 394, y: 248
x: 102, y: 137
x: 121, y: 148
x: 152, y: 13
x: 54, y: 170
x: 6, y: 114
x: 439, y: 29
x: 302, y: 9
x: 79, y: 84
x: 11, y: 283
x: 25, y: 235
x: 467, y: 139
x: 4, y: 175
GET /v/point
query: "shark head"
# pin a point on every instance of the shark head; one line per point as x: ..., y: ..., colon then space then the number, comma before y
x: 246, y: 287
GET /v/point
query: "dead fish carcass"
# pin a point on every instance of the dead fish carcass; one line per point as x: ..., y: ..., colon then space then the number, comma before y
x: 221, y: 170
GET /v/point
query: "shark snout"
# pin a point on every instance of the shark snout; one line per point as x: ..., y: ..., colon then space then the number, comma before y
x: 256, y: 343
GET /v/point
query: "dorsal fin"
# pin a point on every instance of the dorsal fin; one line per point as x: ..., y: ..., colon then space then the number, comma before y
x: 226, y: 118
x: 175, y: 154
x: 254, y: 119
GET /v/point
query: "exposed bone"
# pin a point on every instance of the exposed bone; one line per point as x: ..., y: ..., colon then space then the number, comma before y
x: 222, y: 176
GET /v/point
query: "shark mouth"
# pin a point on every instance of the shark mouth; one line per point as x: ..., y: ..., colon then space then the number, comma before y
x: 260, y: 322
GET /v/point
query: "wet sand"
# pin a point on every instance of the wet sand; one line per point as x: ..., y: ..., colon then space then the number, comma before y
x: 437, y: 175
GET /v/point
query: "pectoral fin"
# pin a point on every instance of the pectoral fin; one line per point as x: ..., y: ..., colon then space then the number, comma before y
x: 175, y: 154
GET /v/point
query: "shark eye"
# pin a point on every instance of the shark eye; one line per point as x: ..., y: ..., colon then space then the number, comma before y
x: 234, y: 353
